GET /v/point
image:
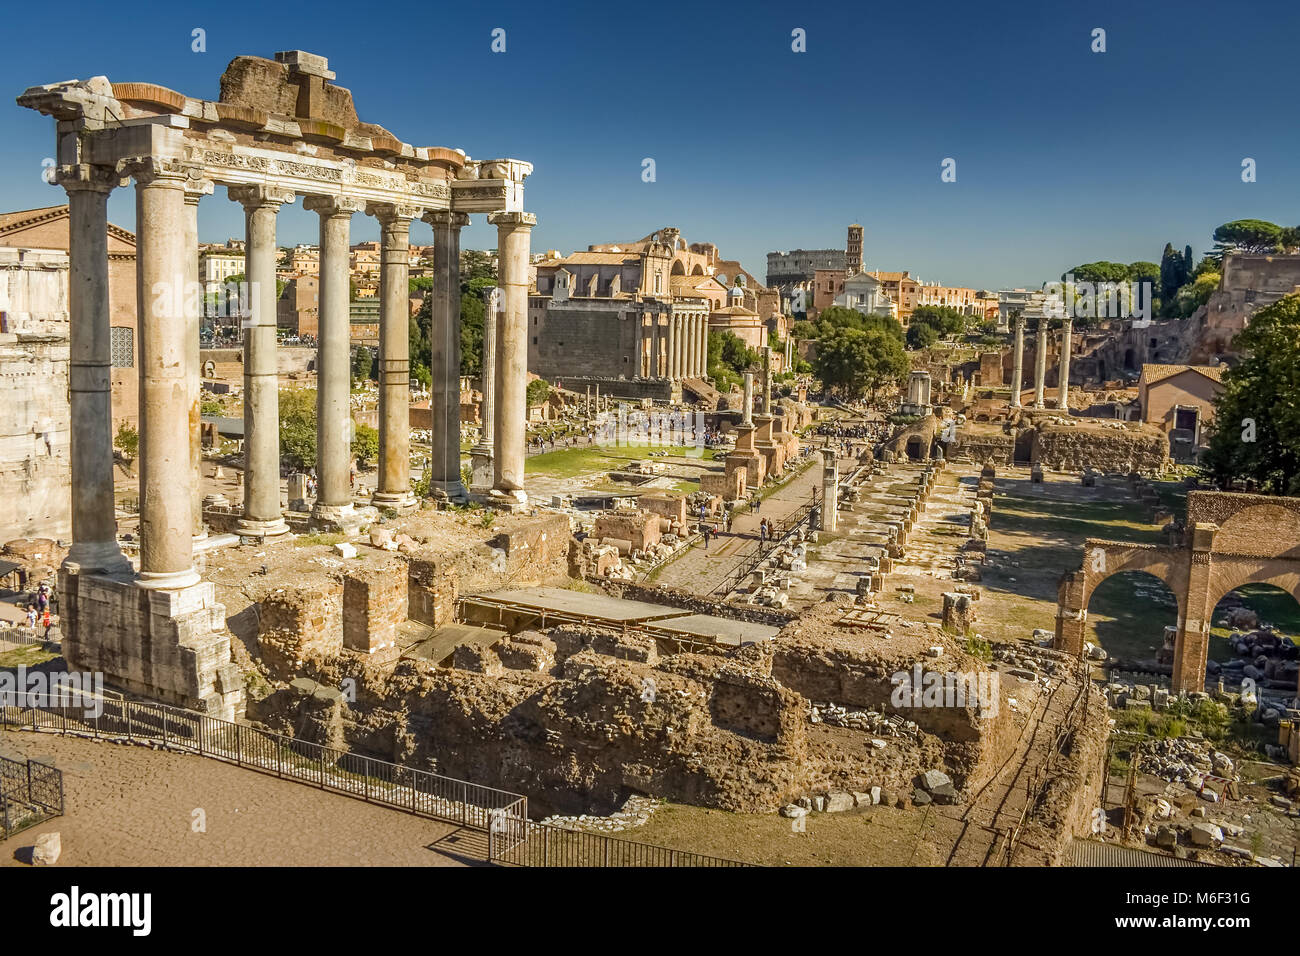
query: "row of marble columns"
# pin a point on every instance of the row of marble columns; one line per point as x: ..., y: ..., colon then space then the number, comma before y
x: 681, y: 350
x: 1040, y: 364
x: 169, y: 306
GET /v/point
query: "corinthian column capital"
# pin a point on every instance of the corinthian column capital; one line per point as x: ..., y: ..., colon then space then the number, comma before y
x: 519, y: 220
x: 260, y: 196
x: 393, y: 213
x: 80, y: 177
x: 333, y: 205
x: 445, y: 217
x: 158, y: 171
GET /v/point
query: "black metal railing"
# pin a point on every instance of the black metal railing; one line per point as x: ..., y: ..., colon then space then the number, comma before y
x: 512, y: 837
x: 525, y: 843
x: 30, y: 793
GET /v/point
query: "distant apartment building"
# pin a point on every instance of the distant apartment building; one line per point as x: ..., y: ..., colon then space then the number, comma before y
x: 297, y: 311
x: 903, y: 289
x: 217, y: 263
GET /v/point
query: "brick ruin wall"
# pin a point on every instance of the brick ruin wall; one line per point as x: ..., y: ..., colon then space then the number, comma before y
x: 1118, y: 449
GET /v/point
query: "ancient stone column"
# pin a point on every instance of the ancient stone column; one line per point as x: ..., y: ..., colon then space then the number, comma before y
x: 334, y: 428
x: 1063, y: 401
x: 481, y: 470
x: 701, y: 345
x: 394, y: 489
x: 1040, y: 362
x: 261, y: 517
x: 167, y: 399
x: 444, y: 334
x: 748, y: 418
x: 1017, y: 362
x: 195, y: 190
x: 656, y: 346
x: 90, y: 371
x: 674, y: 343
x: 513, y: 232
x: 830, y: 491
x: 767, y: 380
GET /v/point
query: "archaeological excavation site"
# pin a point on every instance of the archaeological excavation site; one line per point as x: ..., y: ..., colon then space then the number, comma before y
x: 444, y: 548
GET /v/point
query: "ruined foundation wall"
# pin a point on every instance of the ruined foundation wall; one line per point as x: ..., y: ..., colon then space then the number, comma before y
x: 1110, y: 449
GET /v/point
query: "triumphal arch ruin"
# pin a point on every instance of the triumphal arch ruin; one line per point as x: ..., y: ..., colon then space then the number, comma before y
x: 281, y: 129
x: 1231, y: 540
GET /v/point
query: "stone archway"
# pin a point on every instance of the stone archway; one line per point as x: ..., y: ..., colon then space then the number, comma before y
x: 1231, y: 540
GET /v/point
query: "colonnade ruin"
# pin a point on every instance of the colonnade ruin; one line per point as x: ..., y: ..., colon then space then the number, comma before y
x: 280, y: 130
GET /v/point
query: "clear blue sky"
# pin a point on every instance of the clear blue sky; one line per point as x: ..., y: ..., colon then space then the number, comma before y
x: 1063, y: 155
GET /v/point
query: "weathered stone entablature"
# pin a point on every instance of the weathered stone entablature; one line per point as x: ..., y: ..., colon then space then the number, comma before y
x: 244, y: 138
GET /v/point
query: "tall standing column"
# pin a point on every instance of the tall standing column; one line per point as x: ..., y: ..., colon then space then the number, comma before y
x: 481, y: 456
x: 1017, y: 361
x: 702, y: 355
x: 767, y: 380
x: 513, y: 232
x: 394, y: 490
x: 674, y: 346
x: 334, y: 426
x: 1063, y: 399
x: 1040, y: 362
x: 261, y: 517
x: 90, y: 371
x: 691, y: 347
x: 195, y: 190
x: 656, y: 347
x: 444, y: 400
x: 747, y: 414
x: 167, y: 401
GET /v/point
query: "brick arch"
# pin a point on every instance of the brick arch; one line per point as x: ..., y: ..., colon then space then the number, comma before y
x: 1231, y: 540
x: 1230, y: 575
x: 1164, y: 563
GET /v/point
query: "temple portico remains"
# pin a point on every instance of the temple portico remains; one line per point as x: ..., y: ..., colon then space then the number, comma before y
x: 280, y: 130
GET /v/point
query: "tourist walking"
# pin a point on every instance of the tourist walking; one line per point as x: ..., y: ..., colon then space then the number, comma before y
x: 705, y: 532
x: 46, y: 621
x: 31, y: 616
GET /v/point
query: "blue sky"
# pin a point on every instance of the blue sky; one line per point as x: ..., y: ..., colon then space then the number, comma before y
x: 1062, y: 155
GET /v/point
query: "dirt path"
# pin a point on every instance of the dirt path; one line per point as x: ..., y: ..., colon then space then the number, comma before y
x: 134, y: 806
x: 700, y: 569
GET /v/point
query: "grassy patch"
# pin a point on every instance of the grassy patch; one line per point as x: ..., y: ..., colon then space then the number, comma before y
x: 872, y: 836
x: 29, y: 656
x: 329, y: 540
x: 572, y: 462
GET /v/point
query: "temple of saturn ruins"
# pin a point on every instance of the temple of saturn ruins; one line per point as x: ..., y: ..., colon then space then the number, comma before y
x: 281, y: 129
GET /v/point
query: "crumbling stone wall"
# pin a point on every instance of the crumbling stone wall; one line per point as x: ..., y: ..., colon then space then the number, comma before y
x: 300, y: 623
x: 1121, y: 448
x: 374, y: 606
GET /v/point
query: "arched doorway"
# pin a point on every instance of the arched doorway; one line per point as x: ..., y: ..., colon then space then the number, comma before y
x: 678, y: 268
x: 1128, y: 613
x: 1253, y: 636
x: 914, y: 448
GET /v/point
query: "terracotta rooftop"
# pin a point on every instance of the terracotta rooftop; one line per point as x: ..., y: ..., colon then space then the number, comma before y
x: 1158, y: 373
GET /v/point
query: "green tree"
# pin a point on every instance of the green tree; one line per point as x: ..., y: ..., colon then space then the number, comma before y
x: 1248, y: 235
x: 1257, y: 415
x: 363, y: 364
x: 475, y: 264
x: 1194, y: 295
x: 839, y: 317
x: 537, y: 391
x: 365, y: 443
x: 855, y: 363
x: 127, y: 441
x: 945, y: 320
x: 921, y: 335
x: 472, y: 308
x: 298, y: 427
x: 1101, y: 271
